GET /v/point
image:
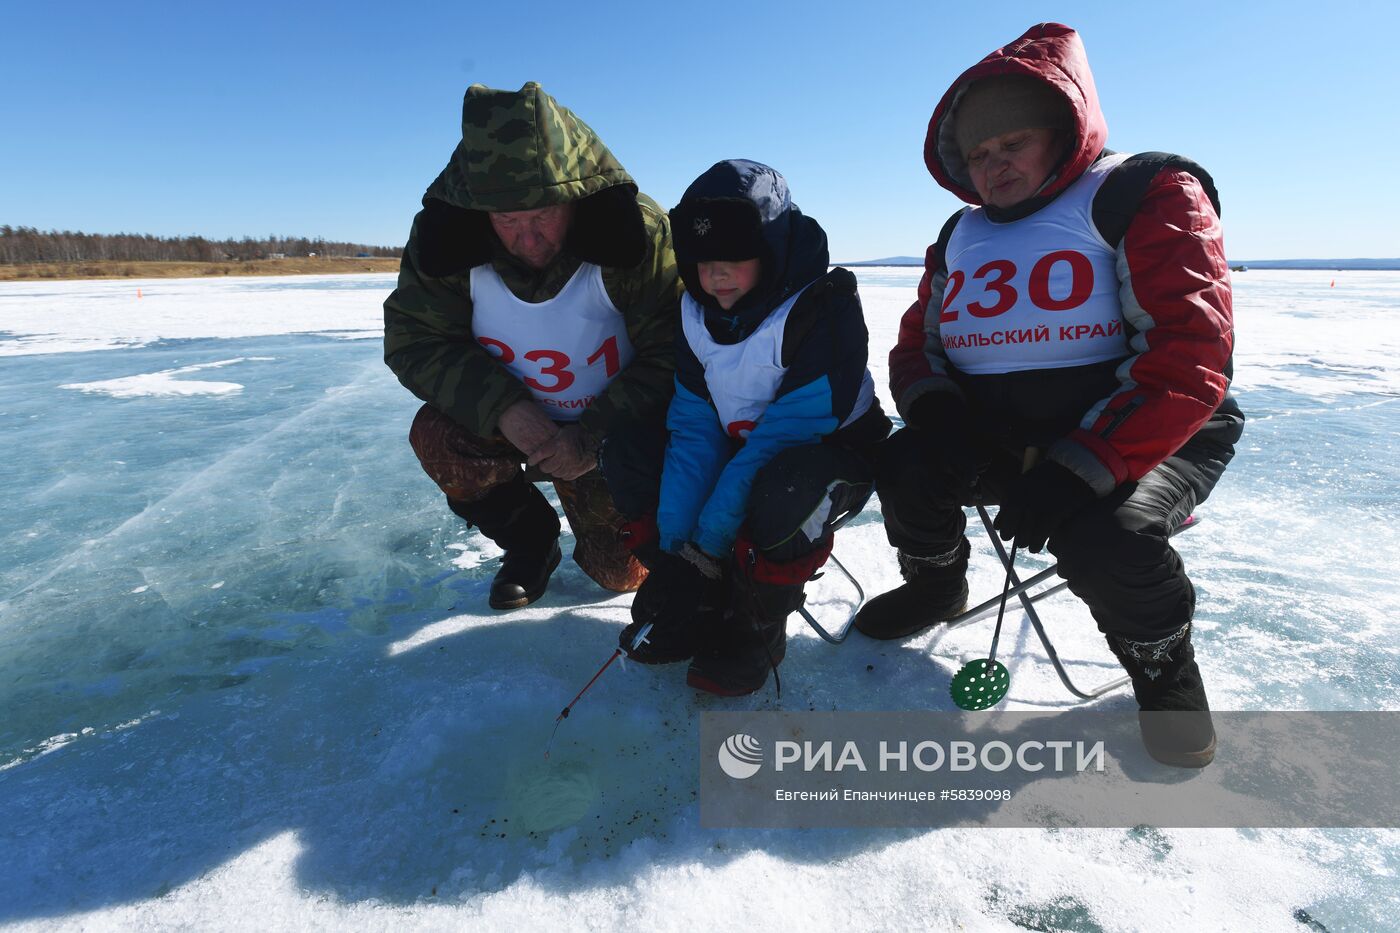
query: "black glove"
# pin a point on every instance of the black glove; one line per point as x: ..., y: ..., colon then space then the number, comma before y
x: 943, y: 418
x: 675, y: 592
x: 1038, y: 503
x: 940, y: 412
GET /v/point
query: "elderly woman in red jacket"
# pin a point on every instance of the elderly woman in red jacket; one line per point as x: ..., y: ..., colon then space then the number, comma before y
x: 1081, y: 307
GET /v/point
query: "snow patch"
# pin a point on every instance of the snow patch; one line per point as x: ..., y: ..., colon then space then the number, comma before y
x: 165, y: 383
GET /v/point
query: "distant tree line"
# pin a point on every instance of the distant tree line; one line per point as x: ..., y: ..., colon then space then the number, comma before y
x: 27, y: 244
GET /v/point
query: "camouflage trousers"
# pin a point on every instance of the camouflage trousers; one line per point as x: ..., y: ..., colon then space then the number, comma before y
x: 466, y: 467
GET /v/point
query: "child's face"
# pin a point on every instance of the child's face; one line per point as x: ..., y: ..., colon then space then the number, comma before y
x: 727, y: 282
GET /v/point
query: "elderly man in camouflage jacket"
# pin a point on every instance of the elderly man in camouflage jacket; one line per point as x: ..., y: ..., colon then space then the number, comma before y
x: 536, y: 308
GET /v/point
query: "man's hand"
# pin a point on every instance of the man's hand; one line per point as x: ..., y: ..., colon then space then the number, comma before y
x: 1038, y: 503
x: 527, y: 427
x: 567, y: 455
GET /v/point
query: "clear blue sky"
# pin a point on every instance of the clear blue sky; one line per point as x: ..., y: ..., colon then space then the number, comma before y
x: 254, y: 118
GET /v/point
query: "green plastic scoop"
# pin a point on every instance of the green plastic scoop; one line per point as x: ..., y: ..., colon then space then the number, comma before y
x: 982, y: 684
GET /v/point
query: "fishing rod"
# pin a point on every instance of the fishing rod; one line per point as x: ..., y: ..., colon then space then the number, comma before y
x: 637, y: 642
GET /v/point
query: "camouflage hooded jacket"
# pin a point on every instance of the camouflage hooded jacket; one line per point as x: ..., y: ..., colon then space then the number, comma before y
x: 521, y: 150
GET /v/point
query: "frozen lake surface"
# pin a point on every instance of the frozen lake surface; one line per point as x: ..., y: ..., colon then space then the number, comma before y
x: 248, y: 679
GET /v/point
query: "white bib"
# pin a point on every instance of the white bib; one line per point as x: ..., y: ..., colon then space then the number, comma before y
x: 1036, y: 293
x: 566, y: 350
x: 743, y: 377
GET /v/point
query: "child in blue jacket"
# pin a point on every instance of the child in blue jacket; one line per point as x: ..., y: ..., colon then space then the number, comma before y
x: 768, y: 439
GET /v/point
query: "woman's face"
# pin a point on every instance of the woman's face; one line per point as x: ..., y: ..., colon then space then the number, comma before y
x: 1009, y: 168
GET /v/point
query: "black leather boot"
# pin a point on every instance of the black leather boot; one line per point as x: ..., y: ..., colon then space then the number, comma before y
x: 523, y: 577
x: 520, y: 520
x: 934, y: 590
x: 1174, y: 714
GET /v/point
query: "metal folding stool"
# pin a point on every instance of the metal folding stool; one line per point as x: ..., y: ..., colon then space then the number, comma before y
x: 1020, y: 589
x: 845, y: 629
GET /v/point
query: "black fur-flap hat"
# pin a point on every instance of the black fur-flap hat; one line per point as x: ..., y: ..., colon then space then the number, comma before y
x: 723, y: 214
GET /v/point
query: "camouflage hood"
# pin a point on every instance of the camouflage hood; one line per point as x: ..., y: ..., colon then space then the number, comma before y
x: 521, y: 150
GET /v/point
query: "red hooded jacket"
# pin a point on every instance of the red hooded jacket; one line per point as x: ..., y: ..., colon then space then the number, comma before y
x: 1174, y: 285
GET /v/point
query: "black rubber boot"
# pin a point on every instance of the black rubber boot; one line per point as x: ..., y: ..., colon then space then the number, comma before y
x: 749, y: 641
x: 679, y: 604
x: 935, y: 590
x: 520, y: 520
x: 1174, y: 714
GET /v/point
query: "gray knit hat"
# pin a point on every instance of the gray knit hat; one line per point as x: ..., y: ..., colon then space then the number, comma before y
x: 1006, y: 103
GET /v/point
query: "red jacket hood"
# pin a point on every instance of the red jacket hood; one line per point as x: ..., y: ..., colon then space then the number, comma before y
x: 1051, y: 53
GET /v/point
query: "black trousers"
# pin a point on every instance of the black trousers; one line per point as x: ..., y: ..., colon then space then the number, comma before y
x: 1114, y: 554
x: 794, y: 501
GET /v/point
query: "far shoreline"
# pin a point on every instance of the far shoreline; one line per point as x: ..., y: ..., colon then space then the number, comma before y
x: 120, y: 269
x: 318, y: 265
